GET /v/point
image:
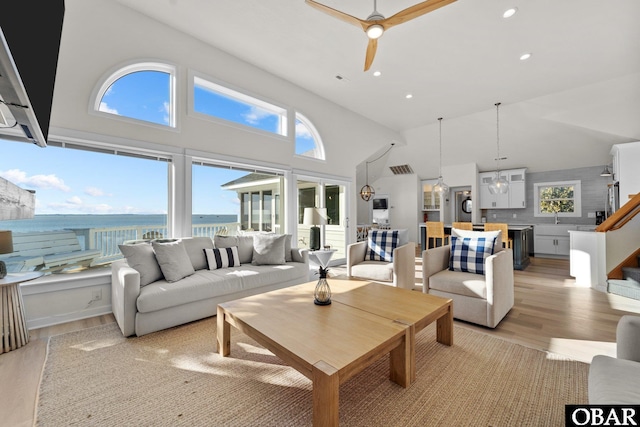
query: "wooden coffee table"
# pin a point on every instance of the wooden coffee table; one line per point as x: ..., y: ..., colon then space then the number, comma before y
x: 330, y: 344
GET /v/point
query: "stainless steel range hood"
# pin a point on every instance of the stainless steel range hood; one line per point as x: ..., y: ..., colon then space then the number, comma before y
x: 28, y: 64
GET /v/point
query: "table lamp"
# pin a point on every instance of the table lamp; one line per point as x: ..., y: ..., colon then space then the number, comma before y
x: 6, y: 247
x: 314, y: 217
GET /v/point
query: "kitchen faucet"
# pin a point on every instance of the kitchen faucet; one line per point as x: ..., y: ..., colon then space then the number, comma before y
x: 555, y: 216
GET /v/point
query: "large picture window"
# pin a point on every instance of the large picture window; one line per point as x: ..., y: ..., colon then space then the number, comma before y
x: 104, y: 199
x: 557, y: 199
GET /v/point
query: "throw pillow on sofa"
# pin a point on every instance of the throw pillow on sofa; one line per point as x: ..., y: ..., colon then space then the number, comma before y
x: 222, y: 257
x: 243, y: 243
x: 468, y: 254
x: 195, y: 249
x: 141, y: 258
x: 268, y: 249
x: 381, y: 245
x: 173, y: 260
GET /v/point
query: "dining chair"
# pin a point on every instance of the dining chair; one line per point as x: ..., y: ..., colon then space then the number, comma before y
x: 463, y: 225
x: 435, y: 231
x: 507, y: 242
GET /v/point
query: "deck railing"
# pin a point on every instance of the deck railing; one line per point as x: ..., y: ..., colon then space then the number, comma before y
x: 107, y: 240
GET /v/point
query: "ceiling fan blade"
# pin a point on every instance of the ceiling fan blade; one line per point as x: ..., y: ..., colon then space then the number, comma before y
x: 413, y: 12
x: 340, y: 15
x: 371, y: 53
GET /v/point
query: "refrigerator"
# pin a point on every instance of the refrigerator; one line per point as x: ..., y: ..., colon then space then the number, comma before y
x: 613, y: 199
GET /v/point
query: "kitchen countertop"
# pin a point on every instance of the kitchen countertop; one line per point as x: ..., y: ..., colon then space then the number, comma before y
x: 515, y: 227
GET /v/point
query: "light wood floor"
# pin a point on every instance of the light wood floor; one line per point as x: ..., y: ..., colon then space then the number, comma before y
x: 550, y: 314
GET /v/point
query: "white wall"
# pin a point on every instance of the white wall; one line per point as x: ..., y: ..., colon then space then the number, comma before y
x: 460, y: 176
x: 626, y: 170
x: 92, y: 47
x: 405, y: 207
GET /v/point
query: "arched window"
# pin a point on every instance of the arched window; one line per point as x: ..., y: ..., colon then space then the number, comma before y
x: 141, y: 91
x: 308, y: 142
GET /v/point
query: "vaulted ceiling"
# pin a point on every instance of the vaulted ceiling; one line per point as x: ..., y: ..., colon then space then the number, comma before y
x: 578, y: 94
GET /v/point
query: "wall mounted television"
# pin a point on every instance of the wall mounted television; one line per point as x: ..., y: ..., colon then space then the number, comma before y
x: 380, y: 204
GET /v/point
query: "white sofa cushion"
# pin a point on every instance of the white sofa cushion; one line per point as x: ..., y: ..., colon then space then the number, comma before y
x: 613, y: 381
x: 373, y: 270
x: 195, y: 249
x: 141, y: 258
x: 268, y: 249
x: 173, y: 260
x: 459, y: 283
x: 244, y: 244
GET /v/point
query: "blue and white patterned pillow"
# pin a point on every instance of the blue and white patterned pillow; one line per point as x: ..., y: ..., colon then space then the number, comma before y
x: 381, y: 245
x: 468, y: 254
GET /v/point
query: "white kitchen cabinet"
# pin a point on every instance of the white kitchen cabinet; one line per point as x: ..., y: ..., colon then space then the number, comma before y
x: 517, y: 182
x: 512, y: 199
x: 625, y: 169
x: 552, y: 239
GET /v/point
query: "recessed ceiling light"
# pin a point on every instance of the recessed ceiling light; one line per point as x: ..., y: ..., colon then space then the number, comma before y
x: 377, y: 73
x: 509, y: 12
x: 408, y: 96
x: 525, y: 56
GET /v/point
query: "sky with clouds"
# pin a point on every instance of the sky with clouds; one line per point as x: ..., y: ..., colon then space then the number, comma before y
x: 69, y: 181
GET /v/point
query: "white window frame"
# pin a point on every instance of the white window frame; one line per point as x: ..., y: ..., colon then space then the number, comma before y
x: 319, y: 153
x: 577, y: 198
x: 123, y: 70
x: 240, y: 95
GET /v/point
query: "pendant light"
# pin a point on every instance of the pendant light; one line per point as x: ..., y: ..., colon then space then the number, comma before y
x: 440, y: 187
x: 367, y: 191
x: 499, y: 184
x: 606, y: 171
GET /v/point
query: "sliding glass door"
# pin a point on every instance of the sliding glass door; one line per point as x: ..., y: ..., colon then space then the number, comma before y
x: 329, y: 194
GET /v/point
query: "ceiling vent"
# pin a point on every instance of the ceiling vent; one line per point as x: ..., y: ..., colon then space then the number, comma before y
x: 401, y: 170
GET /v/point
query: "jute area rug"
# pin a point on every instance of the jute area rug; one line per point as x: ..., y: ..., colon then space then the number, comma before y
x: 174, y: 378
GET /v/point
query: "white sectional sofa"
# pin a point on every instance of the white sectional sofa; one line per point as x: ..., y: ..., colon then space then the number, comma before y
x: 616, y: 380
x: 161, y: 284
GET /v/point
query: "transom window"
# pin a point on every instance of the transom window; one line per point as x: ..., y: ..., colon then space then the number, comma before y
x: 557, y: 198
x: 142, y: 91
x: 220, y: 102
x: 308, y: 142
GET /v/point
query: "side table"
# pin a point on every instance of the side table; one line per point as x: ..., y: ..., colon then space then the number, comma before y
x: 321, y: 257
x: 12, y: 319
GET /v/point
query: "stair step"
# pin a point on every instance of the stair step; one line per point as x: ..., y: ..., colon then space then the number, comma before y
x: 627, y: 288
x: 631, y: 273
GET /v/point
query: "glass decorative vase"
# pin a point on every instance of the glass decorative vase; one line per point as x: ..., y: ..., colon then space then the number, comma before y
x: 322, y: 293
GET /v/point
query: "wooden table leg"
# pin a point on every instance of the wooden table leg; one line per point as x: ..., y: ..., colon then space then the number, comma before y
x: 326, y: 389
x: 402, y: 366
x: 444, y: 327
x: 223, y: 339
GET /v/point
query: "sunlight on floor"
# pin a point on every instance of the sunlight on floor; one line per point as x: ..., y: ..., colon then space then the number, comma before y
x: 582, y: 350
x: 96, y: 344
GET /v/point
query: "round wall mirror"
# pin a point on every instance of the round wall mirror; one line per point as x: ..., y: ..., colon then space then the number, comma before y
x: 466, y: 205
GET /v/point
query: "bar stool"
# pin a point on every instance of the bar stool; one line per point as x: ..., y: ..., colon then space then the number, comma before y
x: 507, y: 242
x: 463, y: 225
x: 435, y: 231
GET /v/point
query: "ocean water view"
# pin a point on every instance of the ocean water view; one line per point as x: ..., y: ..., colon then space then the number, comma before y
x: 60, y: 222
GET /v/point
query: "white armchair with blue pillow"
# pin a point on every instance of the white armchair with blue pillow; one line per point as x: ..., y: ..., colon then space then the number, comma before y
x: 386, y: 256
x: 475, y: 272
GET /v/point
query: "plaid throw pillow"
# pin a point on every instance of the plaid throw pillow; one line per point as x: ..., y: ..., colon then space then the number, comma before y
x: 381, y: 245
x: 222, y: 257
x: 468, y: 254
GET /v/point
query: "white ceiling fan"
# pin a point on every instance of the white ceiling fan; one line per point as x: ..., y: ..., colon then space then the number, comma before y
x: 376, y: 24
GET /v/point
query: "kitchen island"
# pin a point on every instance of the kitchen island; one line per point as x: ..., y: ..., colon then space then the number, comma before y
x: 522, y: 236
